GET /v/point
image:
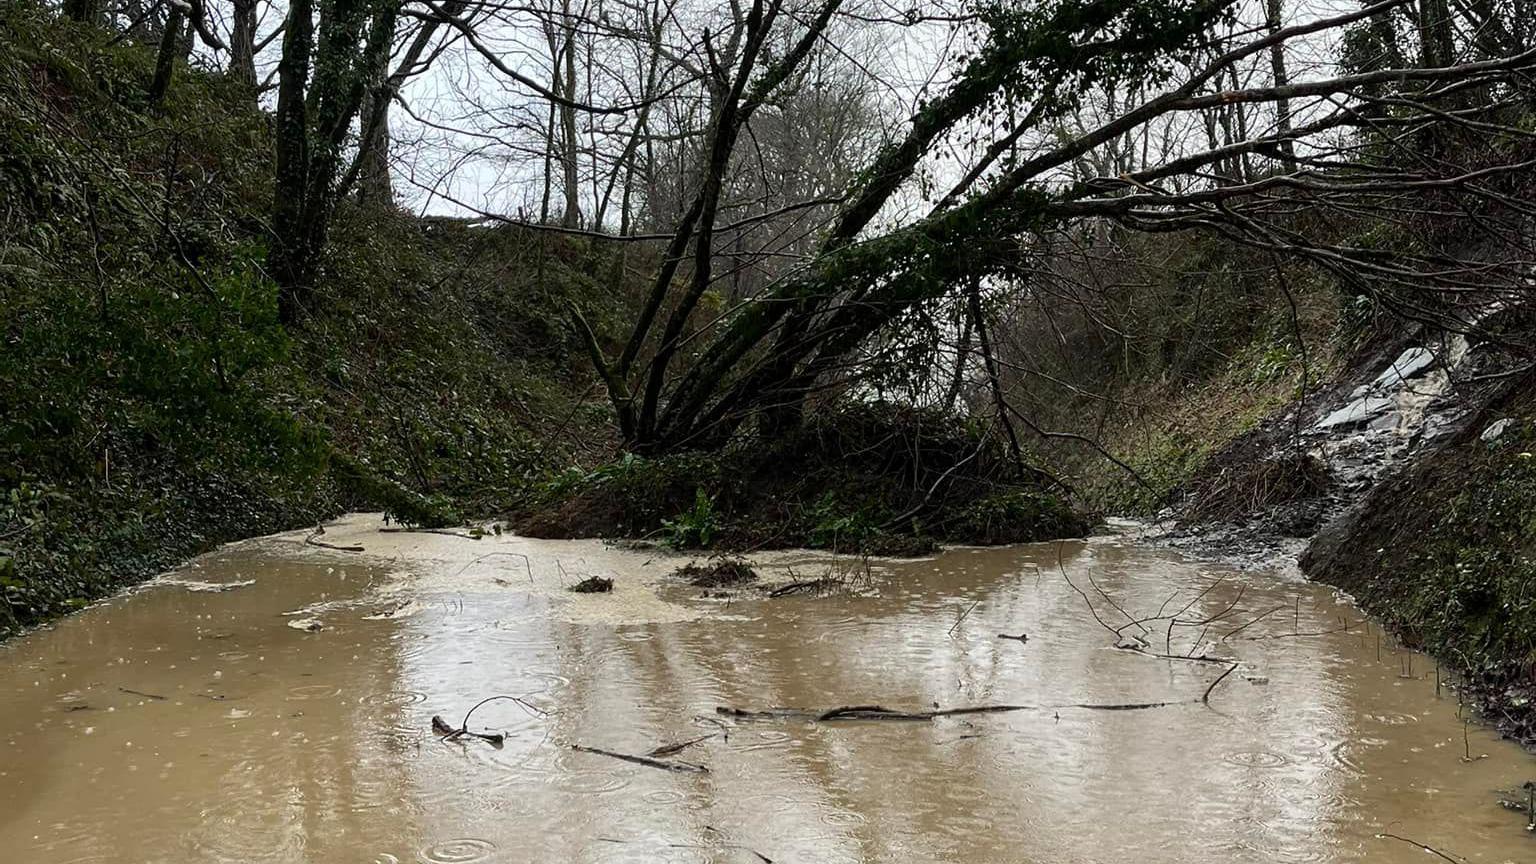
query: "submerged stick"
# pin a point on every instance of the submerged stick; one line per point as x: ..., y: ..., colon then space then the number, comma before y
x: 155, y: 696
x: 673, y: 749
x: 963, y: 616
x: 320, y: 529
x: 871, y: 712
x: 876, y: 712
x: 682, y: 767
x: 1422, y: 846
x: 1206, y: 699
x: 443, y: 730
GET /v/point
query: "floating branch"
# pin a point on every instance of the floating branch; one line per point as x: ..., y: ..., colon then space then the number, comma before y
x: 448, y: 732
x: 805, y: 586
x: 155, y: 696
x: 319, y: 530
x: 443, y: 531
x: 681, y: 767
x: 877, y: 712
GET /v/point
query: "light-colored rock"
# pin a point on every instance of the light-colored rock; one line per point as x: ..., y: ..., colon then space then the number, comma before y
x: 1407, y: 365
x: 1356, y: 412
x: 1496, y: 429
x: 1386, y: 422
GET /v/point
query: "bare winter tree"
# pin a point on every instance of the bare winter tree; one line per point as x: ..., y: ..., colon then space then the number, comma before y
x: 766, y: 357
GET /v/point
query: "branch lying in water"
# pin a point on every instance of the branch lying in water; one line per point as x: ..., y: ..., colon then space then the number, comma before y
x: 878, y: 712
x: 1206, y: 698
x: 683, y: 767
x: 1422, y: 846
x: 446, y: 532
x: 320, y: 529
x: 448, y: 733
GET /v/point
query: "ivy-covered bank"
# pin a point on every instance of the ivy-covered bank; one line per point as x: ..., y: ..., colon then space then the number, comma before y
x: 150, y: 404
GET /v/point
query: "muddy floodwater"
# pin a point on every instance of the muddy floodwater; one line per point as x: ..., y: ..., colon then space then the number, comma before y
x: 273, y: 701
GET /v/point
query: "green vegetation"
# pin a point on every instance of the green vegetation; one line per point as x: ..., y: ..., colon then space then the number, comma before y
x: 154, y: 407
x: 694, y: 527
x: 1205, y: 348
x: 1445, y: 552
x: 862, y: 478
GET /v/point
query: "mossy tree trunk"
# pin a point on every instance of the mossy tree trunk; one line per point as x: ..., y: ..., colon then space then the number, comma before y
x: 242, y: 42
x: 165, y: 57
x: 322, y: 77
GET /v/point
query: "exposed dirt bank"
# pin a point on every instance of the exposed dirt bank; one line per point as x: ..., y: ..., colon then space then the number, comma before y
x: 1408, y: 482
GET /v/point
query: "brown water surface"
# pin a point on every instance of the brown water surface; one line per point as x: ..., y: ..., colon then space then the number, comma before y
x: 183, y: 724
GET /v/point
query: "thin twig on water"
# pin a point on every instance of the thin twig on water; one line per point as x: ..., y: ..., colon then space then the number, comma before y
x: 1092, y: 611
x: 1423, y: 846
x: 961, y: 619
x: 674, y: 749
x: 1206, y: 699
x: 681, y: 767
x: 527, y: 565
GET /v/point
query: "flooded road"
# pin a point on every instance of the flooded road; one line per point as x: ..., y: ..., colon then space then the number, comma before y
x: 273, y: 702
